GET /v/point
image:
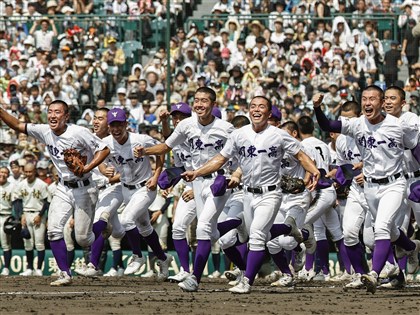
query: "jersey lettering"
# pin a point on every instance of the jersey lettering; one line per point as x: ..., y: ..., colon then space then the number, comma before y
x: 320, y: 152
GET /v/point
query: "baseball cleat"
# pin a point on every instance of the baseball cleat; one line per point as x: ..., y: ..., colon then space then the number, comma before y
x: 295, y: 232
x: 306, y: 275
x: 300, y: 259
x: 63, y: 280
x: 5, y: 272
x: 179, y: 277
x: 37, y: 273
x: 243, y: 287
x: 27, y: 273
x: 285, y: 281
x: 344, y: 276
x: 393, y: 284
x: 163, y: 273
x: 233, y: 274
x: 413, y: 259
x: 356, y: 283
x: 389, y: 270
x: 134, y: 265
x: 108, y: 230
x: 91, y: 271
x: 320, y: 276
x: 370, y: 280
x: 79, y: 270
x: 310, y: 243
x: 216, y: 274
x: 111, y: 273
x: 190, y: 284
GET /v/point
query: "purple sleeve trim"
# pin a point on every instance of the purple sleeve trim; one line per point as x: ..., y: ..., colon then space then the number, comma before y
x: 325, y: 123
x: 416, y: 152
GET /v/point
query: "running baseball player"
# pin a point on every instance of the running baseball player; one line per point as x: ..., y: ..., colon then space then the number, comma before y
x: 7, y: 196
x: 35, y: 198
x: 381, y: 142
x: 259, y: 148
x: 206, y: 136
x: 137, y: 191
x: 76, y: 193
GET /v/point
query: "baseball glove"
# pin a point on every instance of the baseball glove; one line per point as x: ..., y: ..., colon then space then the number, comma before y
x: 75, y: 161
x: 292, y: 185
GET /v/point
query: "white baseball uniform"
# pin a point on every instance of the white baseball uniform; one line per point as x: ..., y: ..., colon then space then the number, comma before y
x: 73, y: 192
x: 7, y: 196
x: 204, y: 143
x: 33, y: 196
x: 259, y: 156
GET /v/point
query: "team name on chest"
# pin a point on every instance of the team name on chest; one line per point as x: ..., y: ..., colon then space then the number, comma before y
x: 372, y: 142
x: 199, y: 144
x: 119, y: 160
x: 6, y: 196
x: 250, y: 151
x: 35, y: 193
x: 349, y: 155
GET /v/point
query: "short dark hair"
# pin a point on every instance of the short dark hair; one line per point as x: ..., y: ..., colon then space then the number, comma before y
x: 61, y: 102
x: 375, y: 88
x: 400, y: 91
x: 270, y: 106
x: 291, y: 126
x: 306, y: 125
x: 351, y: 106
x: 240, y: 121
x: 209, y: 91
x: 102, y: 109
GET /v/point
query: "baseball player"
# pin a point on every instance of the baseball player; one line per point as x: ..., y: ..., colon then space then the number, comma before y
x: 185, y: 210
x: 381, y: 142
x: 259, y: 148
x: 75, y: 194
x: 206, y: 136
x: 35, y: 198
x: 7, y: 196
x: 137, y: 191
x: 295, y: 206
x: 355, y: 208
x: 321, y: 214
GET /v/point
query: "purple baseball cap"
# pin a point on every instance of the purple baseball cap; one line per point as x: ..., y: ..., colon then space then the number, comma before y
x: 170, y: 177
x: 219, y: 186
x: 216, y: 112
x: 181, y: 107
x: 116, y: 114
x: 324, y: 182
x: 275, y: 113
x: 345, y: 174
x: 415, y: 192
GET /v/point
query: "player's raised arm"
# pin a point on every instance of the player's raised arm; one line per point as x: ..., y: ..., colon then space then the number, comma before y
x: 210, y: 167
x: 323, y: 121
x: 12, y: 121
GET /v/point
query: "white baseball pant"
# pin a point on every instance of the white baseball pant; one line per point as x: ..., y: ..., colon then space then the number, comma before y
x: 5, y: 239
x: 293, y: 205
x: 354, y: 215
x: 79, y: 202
x: 234, y: 209
x: 37, y: 232
x: 185, y: 213
x: 260, y: 211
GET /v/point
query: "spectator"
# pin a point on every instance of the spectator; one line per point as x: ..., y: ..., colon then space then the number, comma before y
x: 43, y: 37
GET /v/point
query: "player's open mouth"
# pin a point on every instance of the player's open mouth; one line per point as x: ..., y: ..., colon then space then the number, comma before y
x: 368, y: 111
x: 52, y: 122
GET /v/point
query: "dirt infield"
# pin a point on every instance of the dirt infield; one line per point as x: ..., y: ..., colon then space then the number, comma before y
x: 133, y: 295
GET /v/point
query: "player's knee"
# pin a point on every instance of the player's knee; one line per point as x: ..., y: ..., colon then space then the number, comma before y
x: 287, y: 242
x: 257, y: 241
x: 274, y: 247
x: 179, y: 232
x: 228, y: 240
x: 204, y: 231
x: 351, y: 238
x: 85, y: 240
x: 6, y: 246
x: 145, y: 230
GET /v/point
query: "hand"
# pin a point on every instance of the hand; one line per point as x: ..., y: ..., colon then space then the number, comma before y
x: 360, y: 179
x: 233, y: 182
x: 23, y: 221
x: 80, y: 171
x: 317, y: 99
x: 71, y: 223
x: 166, y: 192
x: 314, y: 181
x: 189, y: 176
x: 151, y: 183
x: 188, y: 195
x: 358, y: 166
x: 110, y: 171
x: 164, y: 114
x: 138, y: 152
x: 155, y: 216
x: 37, y: 220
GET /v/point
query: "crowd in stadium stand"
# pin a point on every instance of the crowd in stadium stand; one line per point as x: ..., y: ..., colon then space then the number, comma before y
x: 299, y: 48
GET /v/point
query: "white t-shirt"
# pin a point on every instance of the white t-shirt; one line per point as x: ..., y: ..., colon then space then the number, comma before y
x: 76, y: 137
x: 132, y: 170
x: 204, y: 141
x: 382, y: 145
x: 260, y: 154
x: 44, y: 39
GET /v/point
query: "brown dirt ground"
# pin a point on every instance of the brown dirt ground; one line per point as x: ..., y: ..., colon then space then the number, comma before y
x: 134, y: 295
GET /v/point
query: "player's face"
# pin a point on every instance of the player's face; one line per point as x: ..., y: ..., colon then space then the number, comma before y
x: 118, y: 130
x: 393, y: 103
x: 57, y: 118
x: 372, y: 106
x: 4, y: 174
x: 30, y: 174
x: 259, y: 112
x: 177, y: 117
x: 203, y: 105
x: 273, y: 122
x: 100, y: 124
